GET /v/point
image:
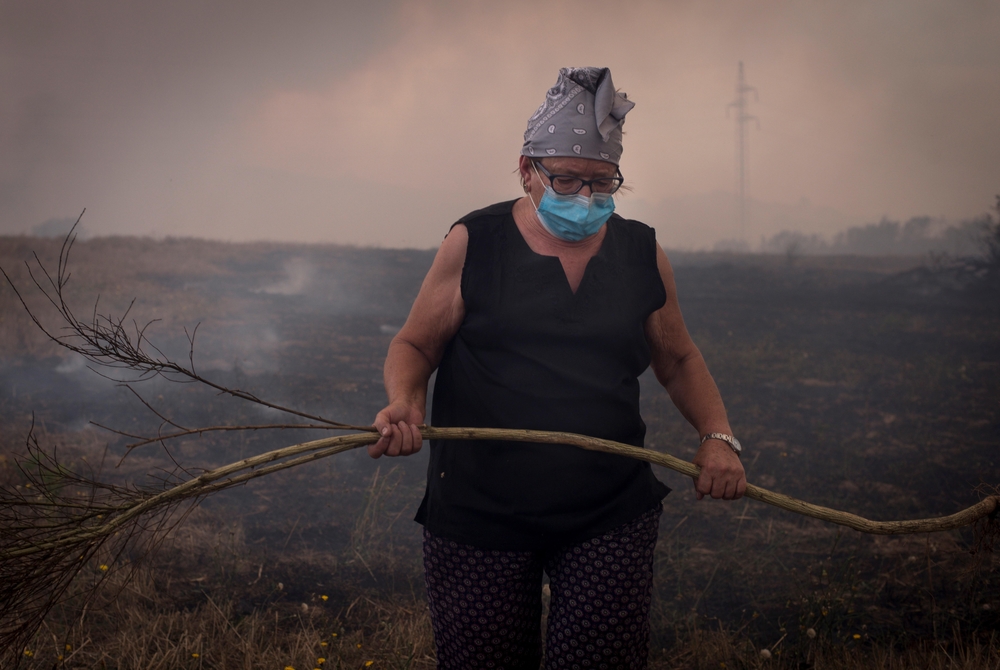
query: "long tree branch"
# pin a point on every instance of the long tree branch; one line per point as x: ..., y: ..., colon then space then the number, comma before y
x: 294, y: 455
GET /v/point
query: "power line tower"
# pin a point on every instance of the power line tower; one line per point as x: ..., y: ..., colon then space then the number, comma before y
x: 742, y: 118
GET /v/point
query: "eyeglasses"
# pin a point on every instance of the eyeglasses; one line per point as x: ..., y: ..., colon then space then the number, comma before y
x: 565, y: 184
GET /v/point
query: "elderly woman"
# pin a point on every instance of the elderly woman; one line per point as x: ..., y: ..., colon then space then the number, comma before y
x: 541, y: 313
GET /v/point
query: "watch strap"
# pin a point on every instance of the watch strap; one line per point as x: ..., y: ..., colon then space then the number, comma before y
x: 733, y: 443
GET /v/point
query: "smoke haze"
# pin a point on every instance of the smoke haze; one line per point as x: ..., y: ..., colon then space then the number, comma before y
x: 380, y: 123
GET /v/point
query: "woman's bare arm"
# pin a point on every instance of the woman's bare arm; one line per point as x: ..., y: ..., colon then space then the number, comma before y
x: 681, y: 370
x: 416, y: 350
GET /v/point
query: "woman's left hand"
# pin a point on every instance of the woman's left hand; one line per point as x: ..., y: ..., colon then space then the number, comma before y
x: 722, y: 474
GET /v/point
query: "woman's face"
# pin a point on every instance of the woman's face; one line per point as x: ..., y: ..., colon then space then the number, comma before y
x: 585, y: 168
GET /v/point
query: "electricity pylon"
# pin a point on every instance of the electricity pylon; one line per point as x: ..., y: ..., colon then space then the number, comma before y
x: 742, y: 118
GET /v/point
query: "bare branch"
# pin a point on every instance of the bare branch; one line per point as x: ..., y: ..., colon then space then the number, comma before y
x: 105, y: 342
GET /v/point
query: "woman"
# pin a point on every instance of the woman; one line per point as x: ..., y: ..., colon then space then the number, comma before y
x: 541, y: 313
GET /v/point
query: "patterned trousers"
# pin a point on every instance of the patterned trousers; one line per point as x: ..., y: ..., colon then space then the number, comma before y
x: 486, y: 604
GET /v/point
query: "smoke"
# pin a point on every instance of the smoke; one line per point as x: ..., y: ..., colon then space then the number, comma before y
x: 72, y: 364
x: 298, y: 276
x: 383, y: 122
x: 251, y: 348
x: 60, y: 227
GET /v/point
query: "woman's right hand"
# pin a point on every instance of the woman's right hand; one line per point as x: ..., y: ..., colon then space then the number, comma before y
x: 397, y: 424
x: 417, y: 348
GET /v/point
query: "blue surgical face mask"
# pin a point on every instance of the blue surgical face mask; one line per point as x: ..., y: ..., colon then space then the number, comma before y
x: 573, y: 217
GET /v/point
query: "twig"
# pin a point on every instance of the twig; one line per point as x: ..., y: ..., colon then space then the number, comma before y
x: 290, y: 533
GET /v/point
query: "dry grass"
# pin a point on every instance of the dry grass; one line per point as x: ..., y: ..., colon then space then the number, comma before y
x: 139, y: 631
x: 142, y: 630
x: 211, y: 599
x: 208, y: 600
x: 712, y: 650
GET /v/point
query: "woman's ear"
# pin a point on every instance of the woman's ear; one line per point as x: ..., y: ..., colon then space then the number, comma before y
x: 524, y: 167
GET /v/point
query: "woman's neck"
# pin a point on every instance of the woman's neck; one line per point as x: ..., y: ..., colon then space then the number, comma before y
x: 544, y: 242
x: 573, y: 256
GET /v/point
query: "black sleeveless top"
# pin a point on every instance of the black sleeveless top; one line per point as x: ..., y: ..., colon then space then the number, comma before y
x: 532, y: 354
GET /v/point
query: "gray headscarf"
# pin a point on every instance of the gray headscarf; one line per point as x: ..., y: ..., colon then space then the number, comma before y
x: 582, y: 116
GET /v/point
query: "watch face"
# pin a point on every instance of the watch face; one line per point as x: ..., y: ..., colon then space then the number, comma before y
x: 737, y: 445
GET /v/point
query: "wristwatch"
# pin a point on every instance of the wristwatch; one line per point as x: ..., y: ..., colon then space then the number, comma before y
x: 733, y: 443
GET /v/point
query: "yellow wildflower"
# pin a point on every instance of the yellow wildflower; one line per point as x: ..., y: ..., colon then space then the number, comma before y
x: 857, y: 637
x: 324, y: 598
x: 59, y: 657
x: 359, y: 645
x: 320, y: 661
x: 288, y: 667
x: 322, y: 644
x: 29, y: 653
x: 69, y: 647
x: 194, y: 655
x: 104, y: 568
x: 368, y: 663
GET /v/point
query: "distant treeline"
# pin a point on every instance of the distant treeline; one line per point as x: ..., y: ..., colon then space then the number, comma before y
x: 919, y: 236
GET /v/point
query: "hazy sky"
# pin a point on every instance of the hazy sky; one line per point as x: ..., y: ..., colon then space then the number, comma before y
x: 382, y: 122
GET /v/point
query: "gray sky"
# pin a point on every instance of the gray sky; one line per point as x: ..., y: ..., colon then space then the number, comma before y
x: 380, y: 123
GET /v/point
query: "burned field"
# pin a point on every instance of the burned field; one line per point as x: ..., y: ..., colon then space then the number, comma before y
x: 850, y: 386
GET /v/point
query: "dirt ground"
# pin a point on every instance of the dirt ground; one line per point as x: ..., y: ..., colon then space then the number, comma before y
x: 850, y: 384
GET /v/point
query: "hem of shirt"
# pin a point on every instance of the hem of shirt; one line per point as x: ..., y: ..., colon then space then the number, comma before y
x: 526, y: 542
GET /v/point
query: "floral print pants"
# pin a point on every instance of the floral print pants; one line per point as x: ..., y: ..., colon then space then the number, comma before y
x: 486, y: 605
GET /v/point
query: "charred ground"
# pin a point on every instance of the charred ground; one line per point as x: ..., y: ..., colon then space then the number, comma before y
x: 851, y: 384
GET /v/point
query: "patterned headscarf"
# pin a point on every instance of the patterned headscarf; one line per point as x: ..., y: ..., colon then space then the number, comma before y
x: 582, y: 116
